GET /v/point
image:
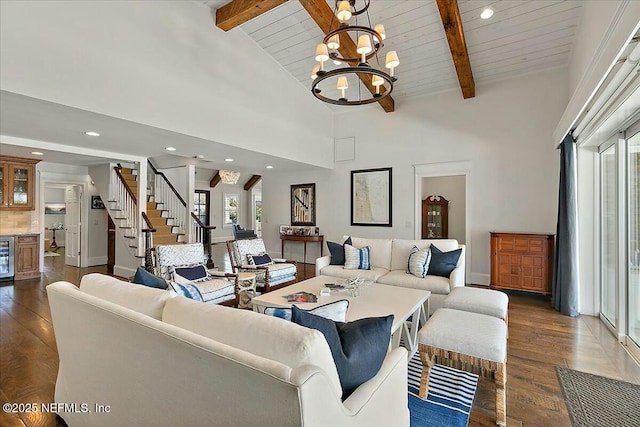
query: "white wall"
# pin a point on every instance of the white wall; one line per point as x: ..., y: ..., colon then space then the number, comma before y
x: 97, y: 228
x: 52, y: 194
x: 179, y: 178
x: 163, y: 64
x: 505, y: 132
x: 451, y: 188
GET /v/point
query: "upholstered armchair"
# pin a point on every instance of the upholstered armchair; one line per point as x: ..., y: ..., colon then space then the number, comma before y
x: 239, y: 233
x: 189, y: 259
x: 250, y: 255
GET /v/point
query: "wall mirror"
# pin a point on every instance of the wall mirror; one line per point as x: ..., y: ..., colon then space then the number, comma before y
x: 303, y: 204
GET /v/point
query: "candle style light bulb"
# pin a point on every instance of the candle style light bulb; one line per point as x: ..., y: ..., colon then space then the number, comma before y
x: 364, y: 47
x: 344, y: 11
x: 380, y: 30
x: 314, y: 72
x: 392, y: 61
x: 322, y: 54
x: 334, y: 42
x: 377, y: 81
x: 342, y: 85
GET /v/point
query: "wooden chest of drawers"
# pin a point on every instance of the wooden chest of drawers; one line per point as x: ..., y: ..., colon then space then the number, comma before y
x: 522, y: 261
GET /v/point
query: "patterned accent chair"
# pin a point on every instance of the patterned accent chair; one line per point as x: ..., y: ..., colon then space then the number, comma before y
x: 217, y: 287
x: 278, y: 274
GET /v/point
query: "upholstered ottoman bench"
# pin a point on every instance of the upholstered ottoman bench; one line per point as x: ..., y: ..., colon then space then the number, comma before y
x: 477, y: 300
x: 471, y: 342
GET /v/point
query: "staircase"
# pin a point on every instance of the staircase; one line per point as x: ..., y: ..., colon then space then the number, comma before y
x: 161, y: 219
x: 165, y: 233
x: 166, y: 221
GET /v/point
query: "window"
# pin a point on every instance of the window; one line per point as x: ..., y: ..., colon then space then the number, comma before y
x: 201, y: 205
x: 230, y: 205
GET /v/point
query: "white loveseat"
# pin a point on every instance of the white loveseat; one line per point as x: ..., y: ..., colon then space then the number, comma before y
x: 158, y: 359
x: 389, y: 259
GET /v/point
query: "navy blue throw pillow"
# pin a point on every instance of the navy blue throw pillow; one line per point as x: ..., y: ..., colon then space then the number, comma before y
x: 443, y: 263
x: 192, y: 273
x: 358, y: 348
x: 337, y: 251
x: 263, y: 259
x: 143, y: 277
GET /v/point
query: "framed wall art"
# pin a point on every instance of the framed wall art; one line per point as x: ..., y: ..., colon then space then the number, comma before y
x: 303, y: 204
x: 371, y: 197
x: 96, y: 202
x: 55, y: 208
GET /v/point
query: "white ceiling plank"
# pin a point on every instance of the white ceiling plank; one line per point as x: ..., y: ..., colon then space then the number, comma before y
x: 520, y: 37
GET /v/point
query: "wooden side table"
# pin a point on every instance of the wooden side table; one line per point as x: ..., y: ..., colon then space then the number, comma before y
x: 302, y: 238
x: 246, y: 289
x: 53, y: 246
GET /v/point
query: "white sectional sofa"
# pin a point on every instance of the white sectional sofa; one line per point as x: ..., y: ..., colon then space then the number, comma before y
x: 389, y: 259
x: 157, y: 359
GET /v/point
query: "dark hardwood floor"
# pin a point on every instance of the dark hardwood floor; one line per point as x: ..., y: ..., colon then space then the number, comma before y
x: 539, y: 340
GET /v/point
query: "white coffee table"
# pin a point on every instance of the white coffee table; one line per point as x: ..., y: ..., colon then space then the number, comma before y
x: 375, y: 300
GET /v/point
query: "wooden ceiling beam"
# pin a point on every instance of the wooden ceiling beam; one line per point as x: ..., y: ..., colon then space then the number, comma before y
x: 215, y: 180
x: 452, y: 22
x: 240, y: 11
x: 252, y: 181
x: 323, y: 15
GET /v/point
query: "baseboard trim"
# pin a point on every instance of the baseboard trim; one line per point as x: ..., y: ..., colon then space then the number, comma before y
x: 480, y: 279
x: 96, y: 260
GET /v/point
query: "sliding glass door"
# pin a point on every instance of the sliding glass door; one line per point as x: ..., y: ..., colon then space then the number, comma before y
x: 633, y: 236
x: 620, y: 236
x: 608, y: 234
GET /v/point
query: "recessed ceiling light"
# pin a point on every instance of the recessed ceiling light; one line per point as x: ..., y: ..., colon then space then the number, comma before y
x: 37, y: 153
x: 486, y: 13
x: 91, y: 133
x: 170, y: 149
x: 228, y: 160
x: 269, y: 167
x: 199, y: 156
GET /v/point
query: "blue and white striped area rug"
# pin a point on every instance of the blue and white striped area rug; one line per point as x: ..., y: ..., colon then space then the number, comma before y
x: 449, y: 398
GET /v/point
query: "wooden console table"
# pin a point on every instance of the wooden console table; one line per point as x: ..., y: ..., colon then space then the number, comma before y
x: 304, y: 239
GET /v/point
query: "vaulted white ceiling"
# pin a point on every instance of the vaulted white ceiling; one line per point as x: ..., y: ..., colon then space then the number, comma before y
x: 522, y: 36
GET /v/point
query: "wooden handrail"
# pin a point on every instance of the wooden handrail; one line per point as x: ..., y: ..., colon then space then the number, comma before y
x: 148, y: 258
x: 168, y: 183
x: 150, y: 228
x: 124, y: 182
x: 201, y: 224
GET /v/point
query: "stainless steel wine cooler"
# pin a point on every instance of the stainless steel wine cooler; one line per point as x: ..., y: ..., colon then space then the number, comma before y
x: 6, y: 258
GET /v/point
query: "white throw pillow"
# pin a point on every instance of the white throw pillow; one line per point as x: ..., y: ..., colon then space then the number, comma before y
x: 357, y: 258
x: 419, y: 261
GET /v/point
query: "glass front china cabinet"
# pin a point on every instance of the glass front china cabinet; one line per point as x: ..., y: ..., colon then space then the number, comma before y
x: 435, y: 217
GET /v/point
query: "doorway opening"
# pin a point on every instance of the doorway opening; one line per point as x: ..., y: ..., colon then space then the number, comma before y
x: 444, y: 214
x: 450, y: 180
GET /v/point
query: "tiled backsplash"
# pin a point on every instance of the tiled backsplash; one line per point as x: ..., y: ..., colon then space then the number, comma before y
x: 18, y: 222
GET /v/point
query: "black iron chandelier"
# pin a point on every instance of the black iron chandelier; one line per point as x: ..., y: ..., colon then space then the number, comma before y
x: 369, y: 43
